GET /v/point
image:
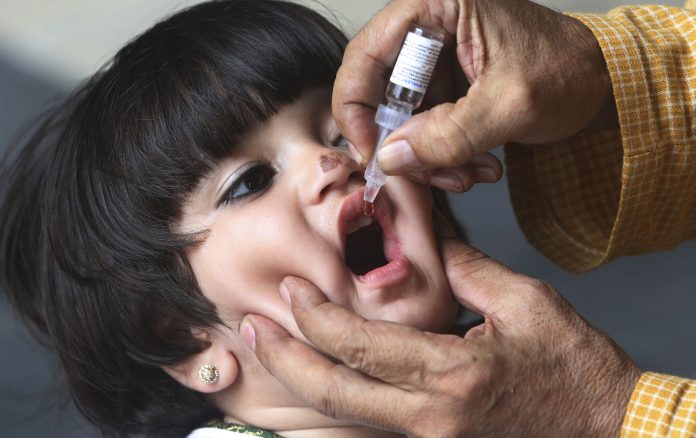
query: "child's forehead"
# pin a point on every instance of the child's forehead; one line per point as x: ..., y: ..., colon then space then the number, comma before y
x: 309, y: 113
x: 311, y: 110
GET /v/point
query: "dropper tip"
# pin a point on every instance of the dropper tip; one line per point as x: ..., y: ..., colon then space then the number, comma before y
x: 371, y: 191
x: 368, y: 208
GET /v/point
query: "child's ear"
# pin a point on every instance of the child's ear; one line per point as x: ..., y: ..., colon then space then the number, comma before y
x: 211, y: 370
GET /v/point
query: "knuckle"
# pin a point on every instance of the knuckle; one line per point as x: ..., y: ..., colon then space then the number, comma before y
x: 537, y: 292
x: 524, y: 95
x: 542, y: 287
x: 355, y: 357
x: 448, y: 142
x: 542, y: 307
x: 354, y: 347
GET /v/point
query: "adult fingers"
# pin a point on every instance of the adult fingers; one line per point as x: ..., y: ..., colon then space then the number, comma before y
x: 391, y: 352
x: 487, y: 161
x: 333, y: 389
x: 447, y: 135
x: 363, y: 77
x: 483, y: 168
x: 477, y: 281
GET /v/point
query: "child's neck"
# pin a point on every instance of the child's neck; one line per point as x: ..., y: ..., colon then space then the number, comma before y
x: 268, y: 405
x: 336, y: 430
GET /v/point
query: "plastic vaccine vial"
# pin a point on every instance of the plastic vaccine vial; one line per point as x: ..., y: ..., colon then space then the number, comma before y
x: 405, y: 92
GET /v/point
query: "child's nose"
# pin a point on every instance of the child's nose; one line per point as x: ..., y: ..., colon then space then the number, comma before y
x: 330, y: 170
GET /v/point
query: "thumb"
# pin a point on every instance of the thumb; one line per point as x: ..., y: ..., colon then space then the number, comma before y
x: 477, y: 281
x: 447, y: 135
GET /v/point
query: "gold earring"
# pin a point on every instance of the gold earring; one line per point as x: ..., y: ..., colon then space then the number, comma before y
x: 208, y: 374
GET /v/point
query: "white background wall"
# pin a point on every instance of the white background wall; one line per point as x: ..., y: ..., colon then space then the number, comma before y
x: 65, y: 40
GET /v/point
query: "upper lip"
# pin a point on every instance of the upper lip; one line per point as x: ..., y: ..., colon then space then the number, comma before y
x: 352, y: 207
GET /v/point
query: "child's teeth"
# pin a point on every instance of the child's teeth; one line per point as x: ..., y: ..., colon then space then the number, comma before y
x: 363, y: 221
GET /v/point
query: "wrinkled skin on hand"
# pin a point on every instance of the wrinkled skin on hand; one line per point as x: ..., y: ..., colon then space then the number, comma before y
x: 511, y: 71
x: 533, y: 368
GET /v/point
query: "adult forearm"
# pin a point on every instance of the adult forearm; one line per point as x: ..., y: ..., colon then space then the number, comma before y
x: 602, y: 194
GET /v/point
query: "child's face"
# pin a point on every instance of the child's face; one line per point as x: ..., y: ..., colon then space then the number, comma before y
x: 283, y: 203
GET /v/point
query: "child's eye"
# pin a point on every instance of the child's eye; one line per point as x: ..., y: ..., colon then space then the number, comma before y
x: 254, y: 180
x: 339, y: 142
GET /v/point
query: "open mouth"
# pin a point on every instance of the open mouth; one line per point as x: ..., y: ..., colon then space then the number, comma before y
x: 371, y: 247
x: 365, y: 246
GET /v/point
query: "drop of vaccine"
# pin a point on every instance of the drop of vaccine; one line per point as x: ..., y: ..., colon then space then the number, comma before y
x: 369, y: 208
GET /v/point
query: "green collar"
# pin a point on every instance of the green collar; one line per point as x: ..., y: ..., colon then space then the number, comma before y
x: 246, y: 430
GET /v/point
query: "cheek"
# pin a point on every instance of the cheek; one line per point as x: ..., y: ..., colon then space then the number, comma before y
x: 239, y: 267
x: 410, y: 195
x: 432, y: 306
x: 413, y: 218
x: 246, y: 255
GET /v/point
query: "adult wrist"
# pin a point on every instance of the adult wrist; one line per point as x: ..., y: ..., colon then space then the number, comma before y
x: 610, y: 412
x: 606, y: 116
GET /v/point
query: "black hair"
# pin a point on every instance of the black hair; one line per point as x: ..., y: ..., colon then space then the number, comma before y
x: 89, y: 255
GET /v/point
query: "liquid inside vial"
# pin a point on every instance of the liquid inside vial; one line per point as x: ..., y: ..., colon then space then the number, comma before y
x: 368, y: 208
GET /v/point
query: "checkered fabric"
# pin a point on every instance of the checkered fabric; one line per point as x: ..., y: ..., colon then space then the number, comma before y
x: 603, y: 194
x: 661, y: 406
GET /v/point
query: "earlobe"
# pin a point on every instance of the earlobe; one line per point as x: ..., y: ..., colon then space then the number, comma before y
x: 213, y: 369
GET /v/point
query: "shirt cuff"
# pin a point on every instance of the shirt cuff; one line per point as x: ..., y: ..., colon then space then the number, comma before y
x: 661, y: 406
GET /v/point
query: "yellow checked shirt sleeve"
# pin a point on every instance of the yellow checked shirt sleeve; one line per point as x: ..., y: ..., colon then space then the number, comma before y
x: 603, y: 194
x: 600, y: 195
x: 661, y: 406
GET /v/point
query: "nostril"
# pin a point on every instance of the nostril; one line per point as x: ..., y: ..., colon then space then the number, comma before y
x: 335, y: 170
x: 357, y: 175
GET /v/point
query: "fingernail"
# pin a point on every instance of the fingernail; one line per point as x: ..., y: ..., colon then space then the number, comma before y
x: 447, y: 181
x: 291, y: 283
x: 357, y: 156
x: 398, y: 157
x: 285, y: 293
x: 421, y: 177
x: 486, y: 174
x: 248, y: 334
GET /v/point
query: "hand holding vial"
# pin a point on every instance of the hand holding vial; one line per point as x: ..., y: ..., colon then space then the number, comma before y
x: 487, y: 88
x: 405, y: 92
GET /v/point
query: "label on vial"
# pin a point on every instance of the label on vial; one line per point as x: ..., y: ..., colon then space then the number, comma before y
x: 416, y: 62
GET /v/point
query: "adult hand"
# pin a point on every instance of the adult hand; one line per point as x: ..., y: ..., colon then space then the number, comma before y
x: 535, y: 75
x: 534, y: 368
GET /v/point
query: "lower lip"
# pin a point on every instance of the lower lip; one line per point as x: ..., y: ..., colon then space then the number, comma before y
x: 390, y: 274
